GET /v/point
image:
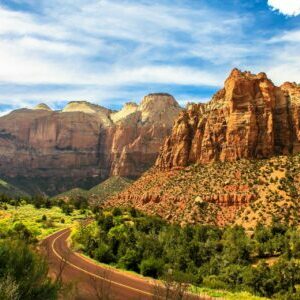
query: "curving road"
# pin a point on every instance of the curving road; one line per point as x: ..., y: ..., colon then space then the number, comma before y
x: 94, y: 281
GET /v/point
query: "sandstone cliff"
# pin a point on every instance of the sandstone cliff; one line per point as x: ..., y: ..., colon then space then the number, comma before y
x: 83, y: 142
x: 221, y: 162
x: 249, y: 118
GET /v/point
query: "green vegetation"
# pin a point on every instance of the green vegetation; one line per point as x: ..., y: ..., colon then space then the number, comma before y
x: 11, y: 190
x: 23, y: 271
x: 202, y: 255
x: 51, y: 186
x: 225, y: 294
x: 38, y: 222
x: 24, y: 274
x: 98, y: 193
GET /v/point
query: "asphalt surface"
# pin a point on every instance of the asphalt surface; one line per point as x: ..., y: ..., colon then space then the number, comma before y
x: 93, y: 281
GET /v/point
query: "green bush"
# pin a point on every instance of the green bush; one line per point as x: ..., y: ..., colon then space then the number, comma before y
x: 219, y: 258
x: 24, y: 274
x: 152, y: 267
x: 130, y: 260
x: 104, y: 254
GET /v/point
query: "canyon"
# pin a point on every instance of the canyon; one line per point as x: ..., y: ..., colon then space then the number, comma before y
x: 46, y: 151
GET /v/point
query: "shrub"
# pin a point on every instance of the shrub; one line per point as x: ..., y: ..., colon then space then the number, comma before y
x: 24, y: 274
x: 104, y: 254
x: 214, y: 282
x: 130, y: 260
x: 152, y: 267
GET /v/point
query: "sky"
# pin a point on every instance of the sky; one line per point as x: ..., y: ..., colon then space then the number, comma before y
x: 113, y: 51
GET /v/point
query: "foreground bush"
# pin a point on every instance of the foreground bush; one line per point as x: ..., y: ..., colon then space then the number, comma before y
x: 23, y: 273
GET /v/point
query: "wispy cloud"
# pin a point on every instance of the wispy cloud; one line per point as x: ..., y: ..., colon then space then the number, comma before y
x: 112, y: 50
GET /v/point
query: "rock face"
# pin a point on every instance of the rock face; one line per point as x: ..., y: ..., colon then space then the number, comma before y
x: 84, y: 141
x: 205, y: 172
x: 249, y: 118
x: 134, y: 142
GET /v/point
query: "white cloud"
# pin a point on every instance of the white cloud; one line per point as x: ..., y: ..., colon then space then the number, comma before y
x: 21, y: 23
x: 286, y: 7
x: 101, y: 47
x: 18, y: 66
x: 283, y: 62
x: 287, y: 66
x: 4, y: 112
x: 292, y: 36
x: 106, y: 43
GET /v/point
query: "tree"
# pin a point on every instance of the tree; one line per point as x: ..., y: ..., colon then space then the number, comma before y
x: 26, y: 272
x: 237, y: 245
x: 174, y: 286
x: 152, y: 267
x: 23, y: 232
x: 9, y: 288
x: 130, y: 260
x: 104, y: 254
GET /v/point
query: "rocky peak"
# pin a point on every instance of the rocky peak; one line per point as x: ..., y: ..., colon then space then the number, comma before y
x: 102, y: 113
x: 84, y: 141
x: 155, y: 101
x: 128, y: 109
x: 42, y: 106
x: 86, y: 107
x: 289, y: 85
x: 129, y: 105
x: 249, y: 118
x: 154, y: 107
x: 236, y: 73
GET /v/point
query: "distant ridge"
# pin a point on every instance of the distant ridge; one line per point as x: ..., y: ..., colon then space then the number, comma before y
x: 99, y: 193
x: 84, y: 143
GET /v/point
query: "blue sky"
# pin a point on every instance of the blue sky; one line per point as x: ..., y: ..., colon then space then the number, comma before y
x: 112, y: 51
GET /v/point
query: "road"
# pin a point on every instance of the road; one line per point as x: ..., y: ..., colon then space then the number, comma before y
x: 92, y: 280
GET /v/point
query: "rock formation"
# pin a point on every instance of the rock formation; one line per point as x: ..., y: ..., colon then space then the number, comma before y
x: 249, y: 118
x: 221, y: 162
x: 84, y: 141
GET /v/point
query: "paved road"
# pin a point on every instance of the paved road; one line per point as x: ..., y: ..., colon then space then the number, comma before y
x: 94, y: 281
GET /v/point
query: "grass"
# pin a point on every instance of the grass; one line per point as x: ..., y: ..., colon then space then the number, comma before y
x: 224, y: 294
x: 32, y: 218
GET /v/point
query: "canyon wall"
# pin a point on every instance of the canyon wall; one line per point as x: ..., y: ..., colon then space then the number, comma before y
x: 234, y: 159
x: 249, y: 118
x: 84, y: 142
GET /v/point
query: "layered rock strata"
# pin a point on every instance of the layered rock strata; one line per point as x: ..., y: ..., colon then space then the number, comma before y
x: 249, y: 118
x: 221, y: 162
x: 84, y: 140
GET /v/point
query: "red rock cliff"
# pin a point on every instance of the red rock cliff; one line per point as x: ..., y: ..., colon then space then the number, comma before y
x: 249, y: 118
x: 84, y: 140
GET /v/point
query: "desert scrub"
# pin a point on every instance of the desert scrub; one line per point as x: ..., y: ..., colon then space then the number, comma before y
x: 39, y: 222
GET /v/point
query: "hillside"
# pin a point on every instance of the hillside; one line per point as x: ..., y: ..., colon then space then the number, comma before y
x: 11, y: 190
x: 243, y: 192
x: 232, y: 160
x: 99, y: 192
